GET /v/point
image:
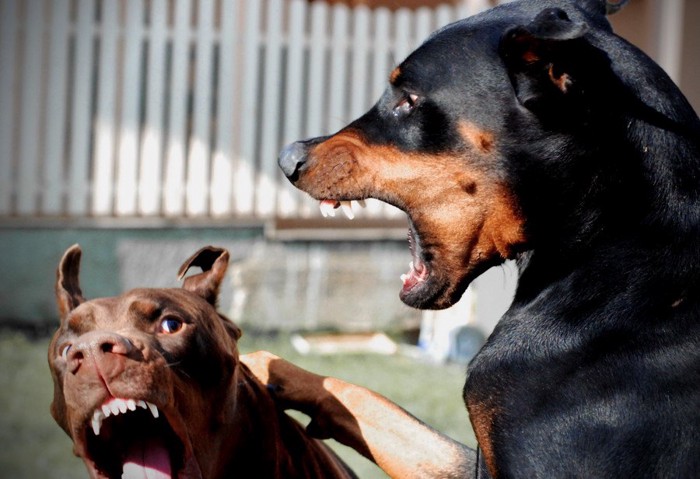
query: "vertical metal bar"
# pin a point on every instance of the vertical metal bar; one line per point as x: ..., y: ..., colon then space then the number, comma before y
x: 8, y: 58
x: 338, y: 84
x: 244, y: 179
x: 176, y: 146
x: 151, y: 156
x: 80, y: 124
x: 106, y: 114
x: 266, y: 186
x: 199, y: 149
x: 227, y: 87
x: 128, y: 152
x: 55, y: 118
x: 27, y: 177
x: 289, y: 197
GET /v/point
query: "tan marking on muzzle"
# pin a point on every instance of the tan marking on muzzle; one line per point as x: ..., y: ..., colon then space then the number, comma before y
x: 416, y: 181
x: 396, y: 72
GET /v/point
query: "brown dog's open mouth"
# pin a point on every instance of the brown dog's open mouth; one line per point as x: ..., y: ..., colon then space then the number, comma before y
x: 129, y: 438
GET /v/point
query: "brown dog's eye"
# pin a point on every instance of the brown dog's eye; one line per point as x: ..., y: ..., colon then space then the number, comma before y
x: 406, y: 105
x: 170, y: 325
x: 64, y: 351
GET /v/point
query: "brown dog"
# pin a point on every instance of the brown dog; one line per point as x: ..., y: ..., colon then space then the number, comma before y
x: 149, y: 385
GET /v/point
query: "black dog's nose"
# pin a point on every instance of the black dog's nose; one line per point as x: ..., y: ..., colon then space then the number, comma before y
x: 292, y: 158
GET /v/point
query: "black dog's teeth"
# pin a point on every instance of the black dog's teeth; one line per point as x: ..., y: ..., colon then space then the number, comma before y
x: 328, y: 207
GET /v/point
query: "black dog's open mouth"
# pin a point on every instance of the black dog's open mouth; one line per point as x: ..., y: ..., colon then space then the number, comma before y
x: 416, y: 290
x: 418, y: 269
x: 129, y: 438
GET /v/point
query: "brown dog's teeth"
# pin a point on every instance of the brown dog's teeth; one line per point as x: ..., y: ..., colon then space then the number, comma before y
x: 97, y: 418
x: 154, y: 410
x: 117, y: 406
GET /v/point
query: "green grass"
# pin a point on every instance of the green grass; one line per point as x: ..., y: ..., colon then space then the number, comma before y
x: 33, y: 446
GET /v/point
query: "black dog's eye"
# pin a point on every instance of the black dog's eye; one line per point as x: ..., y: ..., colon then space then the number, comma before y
x: 170, y: 325
x: 406, y: 105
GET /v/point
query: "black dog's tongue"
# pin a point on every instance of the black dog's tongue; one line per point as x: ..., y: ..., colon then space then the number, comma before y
x: 147, y: 459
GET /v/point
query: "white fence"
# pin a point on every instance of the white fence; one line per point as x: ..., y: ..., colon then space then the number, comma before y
x: 177, y: 108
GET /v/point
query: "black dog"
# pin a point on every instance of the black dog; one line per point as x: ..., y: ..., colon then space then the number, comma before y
x: 532, y: 131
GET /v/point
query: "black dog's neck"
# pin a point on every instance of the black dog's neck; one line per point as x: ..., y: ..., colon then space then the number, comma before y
x: 621, y: 192
x: 632, y: 229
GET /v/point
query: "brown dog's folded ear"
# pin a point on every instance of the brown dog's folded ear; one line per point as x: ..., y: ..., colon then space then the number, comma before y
x: 213, y: 262
x: 68, y: 293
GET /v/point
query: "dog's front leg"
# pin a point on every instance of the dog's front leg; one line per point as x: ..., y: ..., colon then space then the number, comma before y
x: 403, y: 446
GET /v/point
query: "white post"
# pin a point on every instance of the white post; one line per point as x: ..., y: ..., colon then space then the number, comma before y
x: 669, y: 37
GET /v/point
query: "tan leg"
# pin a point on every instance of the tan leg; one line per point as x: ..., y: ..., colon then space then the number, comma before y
x: 403, y: 446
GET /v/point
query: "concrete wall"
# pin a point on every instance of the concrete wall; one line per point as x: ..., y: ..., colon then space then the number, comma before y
x: 271, y: 285
x: 113, y: 260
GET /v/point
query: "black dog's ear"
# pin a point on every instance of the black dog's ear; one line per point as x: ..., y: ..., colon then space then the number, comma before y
x: 213, y: 262
x: 551, y: 64
x: 607, y: 7
x: 613, y: 6
x: 68, y: 293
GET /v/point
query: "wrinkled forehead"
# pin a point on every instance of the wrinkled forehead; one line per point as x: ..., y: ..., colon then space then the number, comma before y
x: 460, y: 50
x: 137, y: 305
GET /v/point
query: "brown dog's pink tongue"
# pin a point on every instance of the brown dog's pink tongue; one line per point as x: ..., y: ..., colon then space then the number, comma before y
x: 147, y: 459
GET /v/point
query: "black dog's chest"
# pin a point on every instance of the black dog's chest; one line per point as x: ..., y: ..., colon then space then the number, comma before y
x: 591, y: 400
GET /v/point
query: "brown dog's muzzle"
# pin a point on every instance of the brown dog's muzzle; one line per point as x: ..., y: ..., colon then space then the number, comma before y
x: 105, y: 350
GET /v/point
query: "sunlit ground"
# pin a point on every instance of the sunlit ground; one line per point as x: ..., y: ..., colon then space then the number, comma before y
x: 32, y: 446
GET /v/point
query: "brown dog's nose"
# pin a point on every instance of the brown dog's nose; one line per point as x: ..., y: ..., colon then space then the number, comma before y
x: 96, y: 345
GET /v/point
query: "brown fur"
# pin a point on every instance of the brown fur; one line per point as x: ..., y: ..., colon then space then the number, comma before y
x: 170, y: 347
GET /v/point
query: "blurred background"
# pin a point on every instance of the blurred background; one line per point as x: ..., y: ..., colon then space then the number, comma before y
x: 145, y: 129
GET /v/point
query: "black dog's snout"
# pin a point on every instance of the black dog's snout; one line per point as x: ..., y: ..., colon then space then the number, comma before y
x: 292, y: 158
